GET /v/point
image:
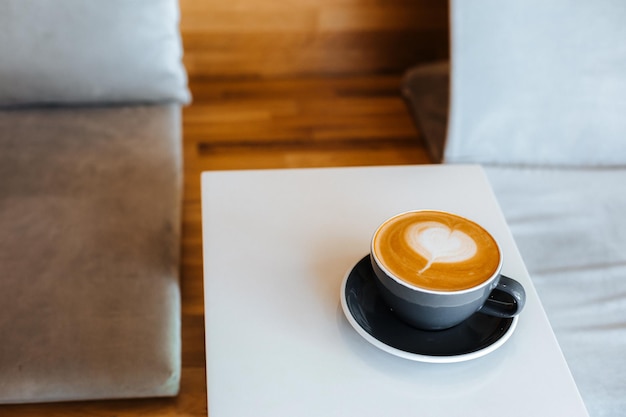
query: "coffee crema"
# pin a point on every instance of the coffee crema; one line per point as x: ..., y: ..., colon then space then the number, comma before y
x: 436, y: 250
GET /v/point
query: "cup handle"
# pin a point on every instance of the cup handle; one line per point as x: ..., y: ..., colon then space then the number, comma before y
x: 506, y: 300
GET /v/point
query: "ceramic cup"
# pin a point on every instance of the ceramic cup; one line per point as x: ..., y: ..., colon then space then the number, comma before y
x: 435, y: 269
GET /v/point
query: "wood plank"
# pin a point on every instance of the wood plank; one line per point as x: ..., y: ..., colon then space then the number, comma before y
x: 253, y: 158
x: 268, y: 38
x: 313, y: 122
x: 276, y: 54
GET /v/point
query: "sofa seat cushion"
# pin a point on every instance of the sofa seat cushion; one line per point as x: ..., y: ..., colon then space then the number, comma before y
x: 89, y: 253
x: 570, y: 229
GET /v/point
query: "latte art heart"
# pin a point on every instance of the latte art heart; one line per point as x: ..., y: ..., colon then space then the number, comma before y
x: 437, y: 243
x: 436, y: 250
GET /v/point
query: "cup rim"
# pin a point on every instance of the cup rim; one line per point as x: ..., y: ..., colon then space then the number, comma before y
x: 408, y: 285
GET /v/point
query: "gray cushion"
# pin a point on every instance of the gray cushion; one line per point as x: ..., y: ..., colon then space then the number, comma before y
x: 90, y: 51
x: 537, y: 82
x: 89, y: 253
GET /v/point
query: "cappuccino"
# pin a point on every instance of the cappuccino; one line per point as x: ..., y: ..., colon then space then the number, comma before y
x: 436, y: 250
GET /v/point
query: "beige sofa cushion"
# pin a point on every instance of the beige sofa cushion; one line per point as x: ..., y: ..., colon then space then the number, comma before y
x: 89, y: 253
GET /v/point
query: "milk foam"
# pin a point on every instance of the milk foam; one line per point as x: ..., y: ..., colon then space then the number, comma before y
x: 437, y: 243
x: 436, y: 250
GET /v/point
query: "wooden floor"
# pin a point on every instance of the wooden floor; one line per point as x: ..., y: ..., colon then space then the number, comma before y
x: 331, y: 97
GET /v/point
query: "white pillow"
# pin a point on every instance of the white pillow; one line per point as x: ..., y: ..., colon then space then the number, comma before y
x: 90, y: 51
x: 538, y: 82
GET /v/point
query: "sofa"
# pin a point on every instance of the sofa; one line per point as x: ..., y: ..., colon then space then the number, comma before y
x: 90, y: 199
x: 536, y: 92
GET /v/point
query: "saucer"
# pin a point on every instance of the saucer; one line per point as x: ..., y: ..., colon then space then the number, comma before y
x: 375, y: 322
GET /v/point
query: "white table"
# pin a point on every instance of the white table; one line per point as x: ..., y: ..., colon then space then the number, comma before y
x: 277, y: 245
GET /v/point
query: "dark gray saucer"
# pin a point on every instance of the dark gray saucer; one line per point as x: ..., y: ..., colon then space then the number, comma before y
x: 375, y: 321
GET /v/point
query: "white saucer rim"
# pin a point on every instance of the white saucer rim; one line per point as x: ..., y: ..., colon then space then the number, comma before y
x: 416, y: 356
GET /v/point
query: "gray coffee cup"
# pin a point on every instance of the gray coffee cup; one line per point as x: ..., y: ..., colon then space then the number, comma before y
x: 433, y: 309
